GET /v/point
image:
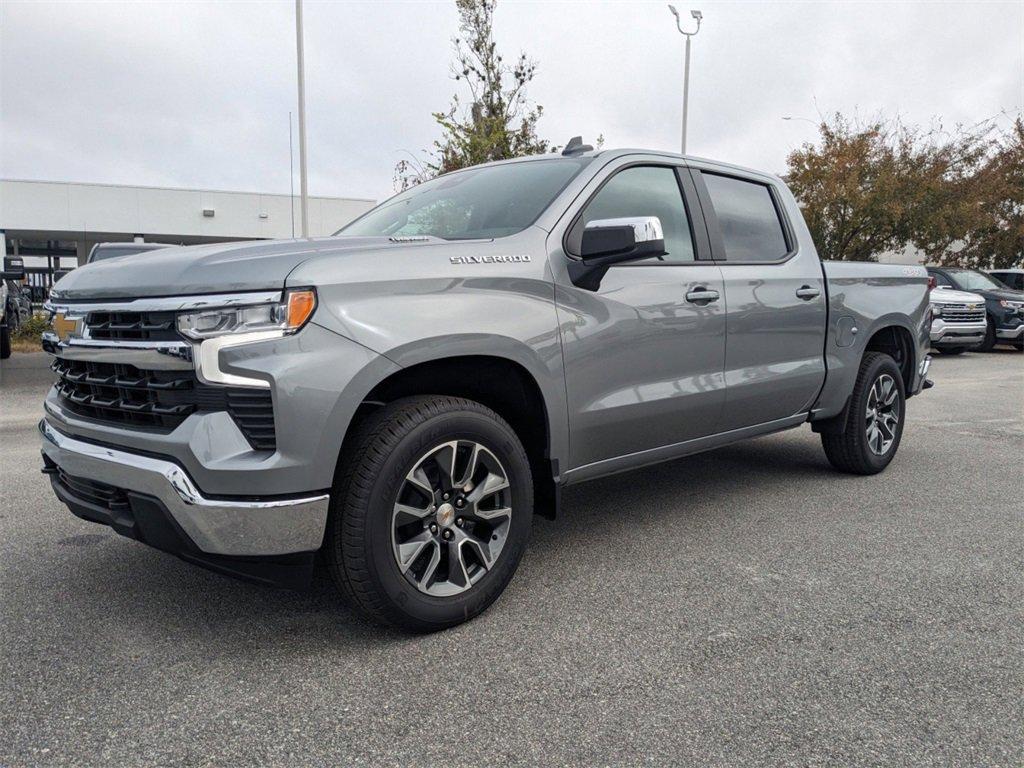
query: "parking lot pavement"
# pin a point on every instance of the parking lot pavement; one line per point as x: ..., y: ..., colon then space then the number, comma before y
x: 744, y: 607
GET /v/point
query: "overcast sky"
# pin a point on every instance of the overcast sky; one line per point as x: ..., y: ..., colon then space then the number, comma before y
x: 197, y: 94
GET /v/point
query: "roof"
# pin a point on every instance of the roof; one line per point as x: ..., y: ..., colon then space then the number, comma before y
x: 611, y: 154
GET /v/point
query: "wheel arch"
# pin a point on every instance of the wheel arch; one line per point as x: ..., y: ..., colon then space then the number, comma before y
x: 897, y: 341
x: 891, y: 337
x: 501, y: 383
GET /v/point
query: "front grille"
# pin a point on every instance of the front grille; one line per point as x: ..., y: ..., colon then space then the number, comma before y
x: 960, y: 313
x: 159, y: 400
x: 132, y: 326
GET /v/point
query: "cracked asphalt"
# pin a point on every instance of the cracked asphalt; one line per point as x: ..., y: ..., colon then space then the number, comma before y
x: 747, y: 606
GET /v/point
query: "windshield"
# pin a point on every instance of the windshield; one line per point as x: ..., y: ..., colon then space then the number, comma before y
x: 969, y: 280
x: 478, y: 203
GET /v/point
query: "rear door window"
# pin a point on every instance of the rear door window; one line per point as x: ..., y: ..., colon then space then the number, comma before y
x: 748, y: 219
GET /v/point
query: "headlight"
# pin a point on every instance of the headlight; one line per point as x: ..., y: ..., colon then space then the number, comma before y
x: 288, y: 316
x: 936, y: 310
x: 1011, y: 304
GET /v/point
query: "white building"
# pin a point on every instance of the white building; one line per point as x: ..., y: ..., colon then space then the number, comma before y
x: 53, y: 225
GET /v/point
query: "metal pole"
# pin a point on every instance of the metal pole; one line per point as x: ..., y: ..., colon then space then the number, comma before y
x: 303, y: 187
x: 291, y: 173
x: 697, y: 16
x: 686, y: 91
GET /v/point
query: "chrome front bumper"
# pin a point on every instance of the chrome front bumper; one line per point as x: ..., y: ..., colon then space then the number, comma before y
x: 248, y: 528
x: 957, y: 333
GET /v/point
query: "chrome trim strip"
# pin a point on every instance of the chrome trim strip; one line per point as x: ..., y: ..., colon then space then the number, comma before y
x: 226, y: 527
x: 148, y: 355
x: 164, y: 303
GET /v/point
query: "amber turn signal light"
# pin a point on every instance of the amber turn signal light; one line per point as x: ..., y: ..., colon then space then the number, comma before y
x: 300, y: 307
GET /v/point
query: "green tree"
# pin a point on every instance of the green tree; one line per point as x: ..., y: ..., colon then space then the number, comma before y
x: 987, y: 231
x: 868, y: 189
x: 498, y: 121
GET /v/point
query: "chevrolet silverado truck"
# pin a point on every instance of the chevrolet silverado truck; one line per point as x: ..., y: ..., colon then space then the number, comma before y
x: 401, y: 399
x: 958, y: 321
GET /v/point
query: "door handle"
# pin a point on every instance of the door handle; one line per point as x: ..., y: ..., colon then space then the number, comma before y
x: 701, y: 296
x: 807, y: 293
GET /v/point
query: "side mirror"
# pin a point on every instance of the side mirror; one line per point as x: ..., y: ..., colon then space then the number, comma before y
x: 612, y: 241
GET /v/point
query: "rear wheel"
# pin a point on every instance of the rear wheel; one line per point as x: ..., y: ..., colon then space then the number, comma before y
x: 430, y: 512
x: 874, y: 424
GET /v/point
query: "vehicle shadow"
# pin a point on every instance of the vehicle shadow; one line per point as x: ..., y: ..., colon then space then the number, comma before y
x: 157, y: 595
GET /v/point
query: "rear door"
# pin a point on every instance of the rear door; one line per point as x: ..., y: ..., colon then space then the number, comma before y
x: 776, y: 308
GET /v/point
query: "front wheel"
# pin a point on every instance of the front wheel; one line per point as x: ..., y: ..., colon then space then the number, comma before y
x: 990, y: 337
x: 874, y: 424
x: 430, y: 512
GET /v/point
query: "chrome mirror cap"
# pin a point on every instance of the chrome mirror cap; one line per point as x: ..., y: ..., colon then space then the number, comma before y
x: 645, y: 228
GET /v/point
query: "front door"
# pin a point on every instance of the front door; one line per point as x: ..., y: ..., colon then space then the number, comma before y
x: 775, y: 294
x: 644, y: 354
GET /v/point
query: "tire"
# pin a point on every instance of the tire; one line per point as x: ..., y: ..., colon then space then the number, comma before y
x: 990, y: 338
x: 951, y: 350
x: 853, y: 450
x: 365, y: 527
x: 5, y: 342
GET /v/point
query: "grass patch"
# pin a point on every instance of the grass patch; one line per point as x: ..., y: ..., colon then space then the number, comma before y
x: 29, y: 337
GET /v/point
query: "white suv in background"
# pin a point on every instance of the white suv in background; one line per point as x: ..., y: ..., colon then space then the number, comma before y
x: 958, y: 322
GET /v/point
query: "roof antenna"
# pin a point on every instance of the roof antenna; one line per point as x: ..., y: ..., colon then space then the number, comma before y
x: 576, y: 146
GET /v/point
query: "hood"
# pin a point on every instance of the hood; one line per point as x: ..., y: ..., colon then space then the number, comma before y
x: 218, y: 268
x: 950, y: 296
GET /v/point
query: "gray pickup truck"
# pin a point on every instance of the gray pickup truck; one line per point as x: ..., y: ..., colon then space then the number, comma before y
x: 400, y: 399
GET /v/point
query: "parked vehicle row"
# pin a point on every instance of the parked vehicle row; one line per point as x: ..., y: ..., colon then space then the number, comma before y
x: 1003, y: 309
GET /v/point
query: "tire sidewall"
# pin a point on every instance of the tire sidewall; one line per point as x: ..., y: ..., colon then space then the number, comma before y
x: 990, y: 337
x: 883, y: 365
x: 426, y: 610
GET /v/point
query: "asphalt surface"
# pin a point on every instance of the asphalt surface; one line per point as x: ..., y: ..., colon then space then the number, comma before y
x: 745, y: 607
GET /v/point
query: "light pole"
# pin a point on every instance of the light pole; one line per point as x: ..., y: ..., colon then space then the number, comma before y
x: 686, y: 72
x: 303, y: 190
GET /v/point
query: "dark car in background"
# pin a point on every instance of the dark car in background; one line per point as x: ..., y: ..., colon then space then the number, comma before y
x: 1011, y: 278
x: 1004, y: 307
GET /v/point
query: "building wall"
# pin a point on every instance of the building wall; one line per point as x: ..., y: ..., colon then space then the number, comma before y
x: 62, y: 207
